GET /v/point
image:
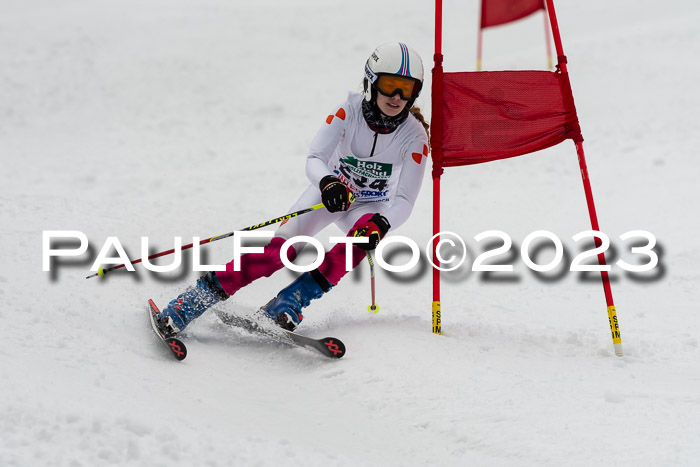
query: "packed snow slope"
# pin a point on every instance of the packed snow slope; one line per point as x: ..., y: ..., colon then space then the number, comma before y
x: 177, y: 118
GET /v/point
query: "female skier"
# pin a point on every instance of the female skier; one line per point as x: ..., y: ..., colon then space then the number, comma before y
x: 373, y: 146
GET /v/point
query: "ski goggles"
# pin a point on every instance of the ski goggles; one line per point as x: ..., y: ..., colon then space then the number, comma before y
x: 388, y: 84
x: 407, y: 88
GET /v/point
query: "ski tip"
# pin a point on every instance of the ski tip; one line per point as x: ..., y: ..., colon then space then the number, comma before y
x: 153, y: 306
x: 334, y: 348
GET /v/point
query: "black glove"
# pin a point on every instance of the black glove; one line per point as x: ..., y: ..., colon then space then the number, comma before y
x: 375, y: 229
x: 336, y: 195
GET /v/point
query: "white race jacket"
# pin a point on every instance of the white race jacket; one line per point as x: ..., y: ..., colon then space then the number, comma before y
x: 378, y: 168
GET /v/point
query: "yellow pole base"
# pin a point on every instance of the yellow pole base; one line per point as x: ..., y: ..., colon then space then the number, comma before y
x: 437, y: 323
x: 615, y: 331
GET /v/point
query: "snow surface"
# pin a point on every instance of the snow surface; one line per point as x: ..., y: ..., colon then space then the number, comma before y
x: 179, y: 118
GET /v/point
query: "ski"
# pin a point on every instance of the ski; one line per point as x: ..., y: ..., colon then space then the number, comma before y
x: 174, y: 345
x: 330, y: 347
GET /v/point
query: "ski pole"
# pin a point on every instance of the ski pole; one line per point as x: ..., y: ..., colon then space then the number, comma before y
x: 101, y: 272
x: 373, y: 307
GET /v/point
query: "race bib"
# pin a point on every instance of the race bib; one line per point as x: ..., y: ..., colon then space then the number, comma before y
x: 369, y: 180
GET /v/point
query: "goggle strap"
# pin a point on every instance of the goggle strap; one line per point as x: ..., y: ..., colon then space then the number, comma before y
x: 369, y: 74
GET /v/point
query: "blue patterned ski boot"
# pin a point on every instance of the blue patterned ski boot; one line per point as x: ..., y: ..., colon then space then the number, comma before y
x: 285, y: 308
x: 191, y: 304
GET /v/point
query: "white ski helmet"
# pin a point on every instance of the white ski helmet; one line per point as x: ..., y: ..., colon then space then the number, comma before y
x: 393, y: 68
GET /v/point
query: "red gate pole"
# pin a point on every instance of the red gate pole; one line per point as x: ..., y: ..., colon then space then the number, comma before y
x: 436, y: 149
x: 612, y: 315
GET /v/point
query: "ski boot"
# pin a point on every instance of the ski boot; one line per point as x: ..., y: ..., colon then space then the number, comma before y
x: 191, y: 304
x: 285, y: 308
